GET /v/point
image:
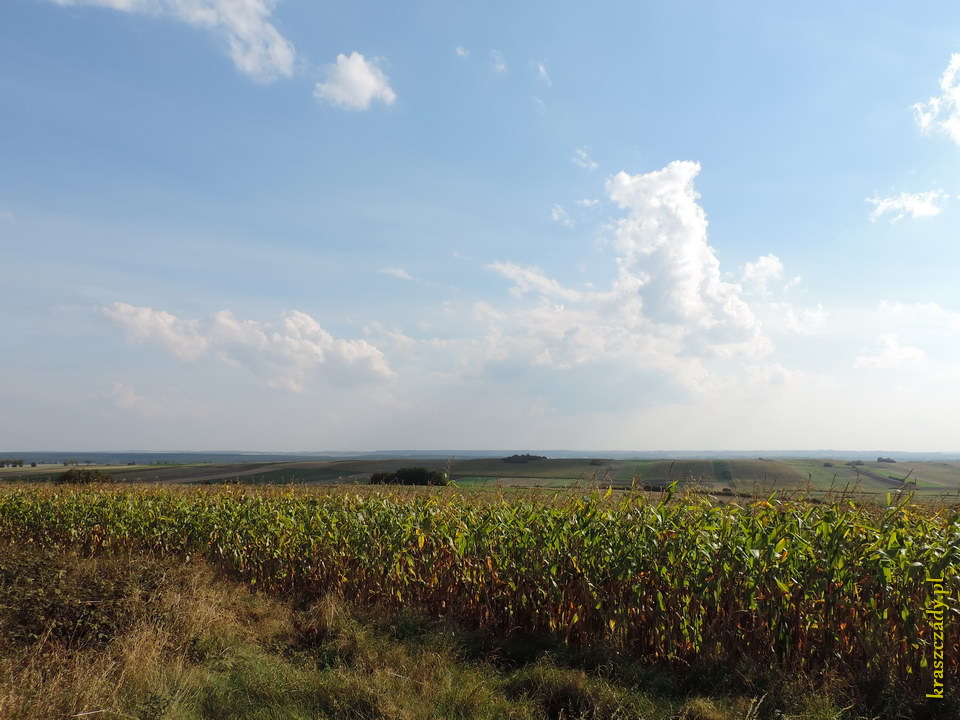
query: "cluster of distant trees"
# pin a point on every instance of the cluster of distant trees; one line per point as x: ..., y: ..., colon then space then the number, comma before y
x: 525, y: 458
x: 854, y: 463
x: 410, y: 476
x: 74, y: 461
x: 12, y: 462
x: 85, y: 475
x: 886, y: 460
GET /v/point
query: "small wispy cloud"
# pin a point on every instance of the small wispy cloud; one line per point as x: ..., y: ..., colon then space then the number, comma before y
x: 916, y: 205
x: 942, y: 113
x: 542, y: 74
x: 929, y: 314
x: 531, y: 280
x: 354, y: 83
x: 396, y: 272
x: 462, y: 52
x: 766, y: 269
x: 256, y: 47
x: 588, y: 202
x: 559, y: 215
x: 891, y: 354
x: 6, y: 215
x: 802, y: 321
x: 582, y: 159
x: 499, y: 64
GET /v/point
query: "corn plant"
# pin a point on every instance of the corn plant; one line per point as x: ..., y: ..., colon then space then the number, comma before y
x: 786, y: 582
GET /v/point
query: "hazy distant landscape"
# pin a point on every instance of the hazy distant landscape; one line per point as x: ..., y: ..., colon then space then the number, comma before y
x: 732, y: 474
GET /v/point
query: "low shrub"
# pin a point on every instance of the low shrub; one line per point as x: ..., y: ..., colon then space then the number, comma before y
x: 410, y: 476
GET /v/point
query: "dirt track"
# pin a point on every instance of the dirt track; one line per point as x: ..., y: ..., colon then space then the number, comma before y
x: 882, y: 478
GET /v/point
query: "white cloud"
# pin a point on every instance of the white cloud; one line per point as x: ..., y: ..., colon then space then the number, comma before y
x: 942, y: 113
x: 929, y: 314
x: 582, y: 159
x: 256, y: 47
x: 916, y: 205
x: 891, y: 354
x: 768, y: 376
x: 225, y: 330
x: 765, y: 269
x: 802, y: 321
x: 286, y: 356
x: 559, y: 215
x: 499, y: 64
x: 763, y: 281
x: 530, y: 280
x: 301, y: 344
x: 588, y: 202
x: 610, y: 352
x: 462, y: 52
x: 542, y: 74
x: 181, y: 337
x: 667, y: 313
x: 669, y: 271
x: 354, y: 83
x: 396, y: 272
x: 666, y: 328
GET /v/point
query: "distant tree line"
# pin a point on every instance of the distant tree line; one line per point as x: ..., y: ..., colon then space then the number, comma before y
x: 885, y: 460
x: 525, y: 458
x: 11, y: 462
x: 410, y: 476
x: 85, y: 476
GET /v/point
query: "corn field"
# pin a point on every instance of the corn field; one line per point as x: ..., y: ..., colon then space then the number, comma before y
x: 791, y: 584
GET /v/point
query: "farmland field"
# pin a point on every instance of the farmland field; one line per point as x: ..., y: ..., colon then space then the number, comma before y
x: 709, y: 473
x: 662, y: 472
x: 942, y: 475
x: 932, y: 478
x: 740, y: 476
x: 823, y: 476
x: 676, y: 582
x: 576, y: 469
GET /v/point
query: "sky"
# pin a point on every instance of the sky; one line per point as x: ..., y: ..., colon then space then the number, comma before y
x: 302, y: 225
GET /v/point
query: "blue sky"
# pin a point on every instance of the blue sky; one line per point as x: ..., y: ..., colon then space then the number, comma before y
x: 295, y: 225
